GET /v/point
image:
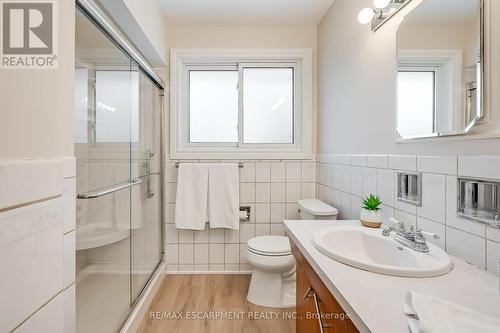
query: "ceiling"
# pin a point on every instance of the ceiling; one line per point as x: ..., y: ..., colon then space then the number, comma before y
x: 244, y: 12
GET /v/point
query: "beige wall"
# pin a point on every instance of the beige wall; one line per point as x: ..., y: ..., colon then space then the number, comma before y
x: 36, y: 106
x: 356, y: 95
x: 248, y: 37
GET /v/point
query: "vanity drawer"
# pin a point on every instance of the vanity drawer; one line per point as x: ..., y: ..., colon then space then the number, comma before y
x: 316, y: 306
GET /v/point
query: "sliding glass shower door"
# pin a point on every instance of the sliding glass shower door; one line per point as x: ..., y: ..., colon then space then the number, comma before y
x: 118, y: 150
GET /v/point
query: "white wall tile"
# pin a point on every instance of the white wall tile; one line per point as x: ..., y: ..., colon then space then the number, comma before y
x: 336, y: 198
x: 201, y: 236
x: 243, y: 254
x: 357, y: 181
x: 263, y: 172
x: 216, y: 235
x: 452, y: 220
x: 479, y: 166
x: 171, y: 173
x: 263, y: 212
x: 231, y: 254
x: 247, y: 173
x: 186, y: 236
x: 278, y: 192
x: 292, y: 211
x: 263, y: 192
x: 359, y: 160
x: 437, y: 164
x: 369, y: 181
x: 346, y: 179
x: 216, y: 254
x: 231, y: 236
x: 309, y: 172
x: 493, y: 234
x: 172, y: 253
x: 493, y: 257
x: 403, y: 162
x: 172, y: 234
x: 308, y: 191
x: 277, y: 230
x: 186, y: 254
x: 466, y: 246
x: 278, y: 172
x: 434, y: 227
x: 337, y: 176
x: 433, y: 198
x: 170, y: 192
x: 293, y: 192
x: 247, y: 192
x: 345, y: 206
x: 201, y: 252
x: 344, y: 159
x: 277, y: 212
x: 262, y: 229
x: 387, y: 213
x: 378, y: 161
x: 385, y: 186
x: 356, y: 205
x: 247, y: 231
x: 293, y: 172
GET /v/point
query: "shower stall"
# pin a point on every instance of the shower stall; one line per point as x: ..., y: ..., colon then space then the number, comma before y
x: 118, y: 147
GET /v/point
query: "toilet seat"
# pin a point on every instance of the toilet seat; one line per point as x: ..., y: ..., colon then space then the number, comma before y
x: 270, y: 246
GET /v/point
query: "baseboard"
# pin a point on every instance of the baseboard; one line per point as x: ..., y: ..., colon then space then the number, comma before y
x: 141, y: 307
x: 208, y: 272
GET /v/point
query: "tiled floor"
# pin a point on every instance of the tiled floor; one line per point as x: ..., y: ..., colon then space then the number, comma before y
x: 184, y: 303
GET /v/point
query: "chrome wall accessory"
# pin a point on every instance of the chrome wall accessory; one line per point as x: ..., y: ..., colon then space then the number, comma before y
x: 246, y: 209
x: 109, y: 190
x: 240, y: 165
x: 410, y: 187
x: 149, y: 155
x: 479, y: 200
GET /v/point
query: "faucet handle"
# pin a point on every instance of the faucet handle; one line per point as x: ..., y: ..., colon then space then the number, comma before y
x: 397, y: 224
x: 430, y: 234
x: 419, y: 232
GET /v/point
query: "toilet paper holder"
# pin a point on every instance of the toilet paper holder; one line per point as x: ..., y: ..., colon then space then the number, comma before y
x: 245, y: 213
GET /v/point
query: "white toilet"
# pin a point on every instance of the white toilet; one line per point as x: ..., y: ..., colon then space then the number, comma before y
x: 273, y: 275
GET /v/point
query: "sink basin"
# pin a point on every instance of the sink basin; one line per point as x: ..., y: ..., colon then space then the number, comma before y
x: 367, y: 249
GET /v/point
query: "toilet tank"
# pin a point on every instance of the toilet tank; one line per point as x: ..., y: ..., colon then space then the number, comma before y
x: 314, y: 209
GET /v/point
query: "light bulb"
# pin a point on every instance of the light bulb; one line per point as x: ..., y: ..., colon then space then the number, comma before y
x: 381, y: 3
x: 365, y: 16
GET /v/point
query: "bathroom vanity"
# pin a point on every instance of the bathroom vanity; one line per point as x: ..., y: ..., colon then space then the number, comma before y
x: 373, y: 302
x: 317, y: 308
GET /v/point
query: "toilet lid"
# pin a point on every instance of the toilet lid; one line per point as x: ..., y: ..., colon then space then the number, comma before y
x: 270, y: 245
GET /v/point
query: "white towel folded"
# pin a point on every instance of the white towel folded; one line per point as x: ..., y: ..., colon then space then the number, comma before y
x: 223, y: 196
x: 428, y: 314
x: 191, y: 206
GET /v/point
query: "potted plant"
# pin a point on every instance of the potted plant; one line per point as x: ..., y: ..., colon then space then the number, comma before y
x: 371, y: 213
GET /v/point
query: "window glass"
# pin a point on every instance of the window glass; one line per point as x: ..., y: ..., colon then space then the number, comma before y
x: 213, y: 106
x: 416, y: 103
x: 268, y: 105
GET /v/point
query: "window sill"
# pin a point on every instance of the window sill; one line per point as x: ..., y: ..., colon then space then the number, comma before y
x: 246, y: 155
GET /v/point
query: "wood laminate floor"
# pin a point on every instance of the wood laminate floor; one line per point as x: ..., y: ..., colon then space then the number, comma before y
x: 195, y: 304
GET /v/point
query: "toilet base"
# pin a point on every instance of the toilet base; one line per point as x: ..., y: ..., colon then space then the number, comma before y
x: 272, y: 289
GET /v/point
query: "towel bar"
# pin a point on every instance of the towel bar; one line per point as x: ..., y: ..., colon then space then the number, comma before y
x: 240, y: 165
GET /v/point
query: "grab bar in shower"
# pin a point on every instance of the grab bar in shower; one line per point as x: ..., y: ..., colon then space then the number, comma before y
x: 109, y: 190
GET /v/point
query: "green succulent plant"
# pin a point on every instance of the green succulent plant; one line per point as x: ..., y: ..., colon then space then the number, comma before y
x: 372, y: 203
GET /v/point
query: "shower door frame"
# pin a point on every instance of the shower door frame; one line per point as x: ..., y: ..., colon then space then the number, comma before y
x: 108, y: 27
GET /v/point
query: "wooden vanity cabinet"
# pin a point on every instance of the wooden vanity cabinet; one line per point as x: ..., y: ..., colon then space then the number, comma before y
x: 317, y: 309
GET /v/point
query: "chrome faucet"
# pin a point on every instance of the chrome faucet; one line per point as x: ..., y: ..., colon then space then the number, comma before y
x: 413, y: 239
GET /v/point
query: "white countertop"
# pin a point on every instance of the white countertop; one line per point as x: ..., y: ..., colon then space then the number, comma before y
x: 375, y: 301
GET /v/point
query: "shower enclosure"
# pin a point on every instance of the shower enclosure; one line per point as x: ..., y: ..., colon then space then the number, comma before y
x: 118, y: 117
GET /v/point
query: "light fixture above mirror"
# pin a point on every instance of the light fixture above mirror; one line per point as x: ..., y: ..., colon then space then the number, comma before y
x: 383, y: 10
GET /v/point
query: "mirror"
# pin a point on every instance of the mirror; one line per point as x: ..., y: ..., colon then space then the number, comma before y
x: 440, y: 69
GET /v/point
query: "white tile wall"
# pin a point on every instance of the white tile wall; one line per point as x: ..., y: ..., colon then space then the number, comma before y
x: 472, y: 241
x: 270, y: 188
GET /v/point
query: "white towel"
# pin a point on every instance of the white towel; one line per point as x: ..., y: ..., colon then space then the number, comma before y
x: 224, y: 196
x: 191, y: 205
x: 428, y: 314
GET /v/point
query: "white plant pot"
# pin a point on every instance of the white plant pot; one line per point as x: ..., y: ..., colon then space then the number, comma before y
x: 371, y: 218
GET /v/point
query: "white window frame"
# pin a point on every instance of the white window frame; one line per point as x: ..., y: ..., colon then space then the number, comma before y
x: 182, y: 60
